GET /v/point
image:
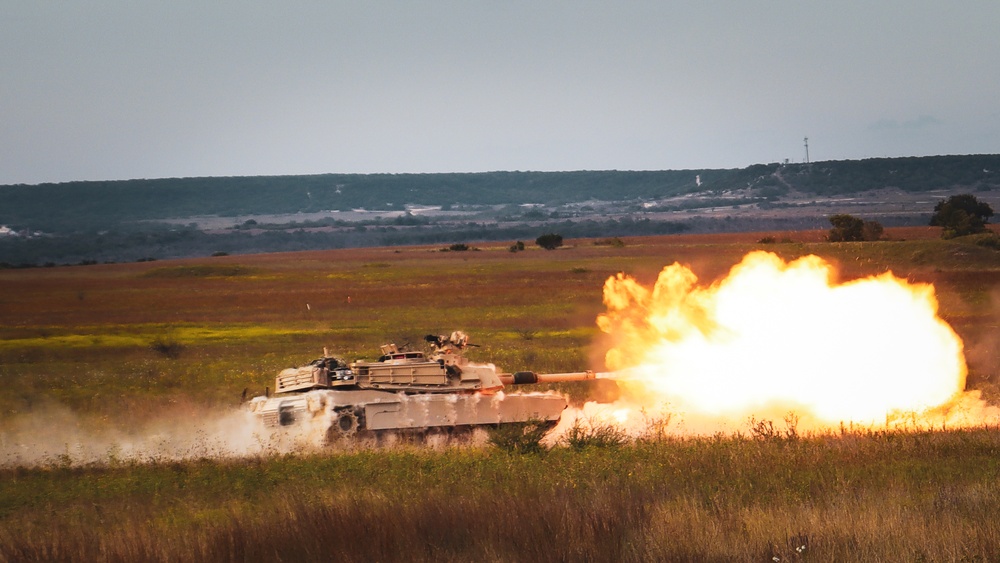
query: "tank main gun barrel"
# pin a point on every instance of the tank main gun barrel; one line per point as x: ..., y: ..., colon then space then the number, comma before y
x: 529, y: 377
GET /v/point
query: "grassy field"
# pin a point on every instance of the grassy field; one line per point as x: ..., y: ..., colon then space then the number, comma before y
x: 117, y: 349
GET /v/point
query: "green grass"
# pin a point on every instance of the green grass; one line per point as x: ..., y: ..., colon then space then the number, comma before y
x: 133, y: 336
x: 200, y: 271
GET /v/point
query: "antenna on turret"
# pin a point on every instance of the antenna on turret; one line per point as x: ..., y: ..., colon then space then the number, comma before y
x: 806, y: 140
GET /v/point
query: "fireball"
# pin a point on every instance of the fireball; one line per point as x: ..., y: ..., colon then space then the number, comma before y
x: 778, y: 337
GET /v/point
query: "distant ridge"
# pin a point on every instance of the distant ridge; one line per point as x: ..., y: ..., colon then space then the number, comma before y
x: 129, y: 220
x: 57, y: 206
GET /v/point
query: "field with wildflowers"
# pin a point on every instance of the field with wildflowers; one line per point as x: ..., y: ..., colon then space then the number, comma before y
x: 114, y: 350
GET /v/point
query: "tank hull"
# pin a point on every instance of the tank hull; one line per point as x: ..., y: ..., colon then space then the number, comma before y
x: 333, y: 413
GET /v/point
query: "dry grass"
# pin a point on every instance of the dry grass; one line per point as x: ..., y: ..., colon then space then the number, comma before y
x: 857, y: 496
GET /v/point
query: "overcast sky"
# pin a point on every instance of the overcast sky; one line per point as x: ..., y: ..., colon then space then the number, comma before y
x: 115, y: 90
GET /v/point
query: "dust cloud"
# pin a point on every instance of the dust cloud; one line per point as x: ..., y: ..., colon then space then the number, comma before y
x: 53, y: 435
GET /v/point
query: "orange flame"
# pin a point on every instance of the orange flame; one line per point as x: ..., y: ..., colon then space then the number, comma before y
x: 775, y: 336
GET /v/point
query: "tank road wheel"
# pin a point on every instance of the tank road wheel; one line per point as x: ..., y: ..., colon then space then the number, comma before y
x: 345, y: 425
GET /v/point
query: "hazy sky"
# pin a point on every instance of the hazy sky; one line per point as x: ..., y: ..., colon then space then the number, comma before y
x: 114, y: 90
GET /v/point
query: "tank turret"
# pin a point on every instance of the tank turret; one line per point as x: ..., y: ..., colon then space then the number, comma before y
x: 446, y: 370
x: 408, y: 390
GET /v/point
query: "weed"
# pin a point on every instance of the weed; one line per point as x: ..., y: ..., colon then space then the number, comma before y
x: 167, y: 348
x: 594, y: 435
x: 520, y: 438
x: 656, y: 427
x: 763, y: 430
x: 526, y: 334
x: 791, y: 426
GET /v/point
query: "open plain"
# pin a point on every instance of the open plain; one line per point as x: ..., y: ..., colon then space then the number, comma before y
x: 120, y: 354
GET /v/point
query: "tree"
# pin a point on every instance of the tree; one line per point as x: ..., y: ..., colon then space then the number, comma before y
x: 848, y: 228
x: 961, y: 215
x: 550, y: 241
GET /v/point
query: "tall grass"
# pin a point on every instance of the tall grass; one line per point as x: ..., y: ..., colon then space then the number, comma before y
x: 862, y: 495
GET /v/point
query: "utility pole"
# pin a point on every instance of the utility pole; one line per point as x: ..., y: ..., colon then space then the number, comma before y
x: 807, y: 149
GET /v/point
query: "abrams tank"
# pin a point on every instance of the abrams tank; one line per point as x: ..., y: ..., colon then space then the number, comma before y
x: 407, y: 391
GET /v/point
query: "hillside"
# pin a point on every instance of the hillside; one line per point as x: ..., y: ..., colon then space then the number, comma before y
x: 174, y: 217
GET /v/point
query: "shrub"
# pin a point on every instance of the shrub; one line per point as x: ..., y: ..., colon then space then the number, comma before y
x: 613, y: 242
x: 990, y: 240
x: 872, y: 230
x: 549, y: 241
x: 848, y: 228
x: 517, y: 246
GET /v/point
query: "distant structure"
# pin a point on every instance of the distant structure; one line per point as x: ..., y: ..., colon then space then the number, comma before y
x: 806, y: 140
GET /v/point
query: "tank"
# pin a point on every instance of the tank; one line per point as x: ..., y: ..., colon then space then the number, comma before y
x: 407, y: 391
